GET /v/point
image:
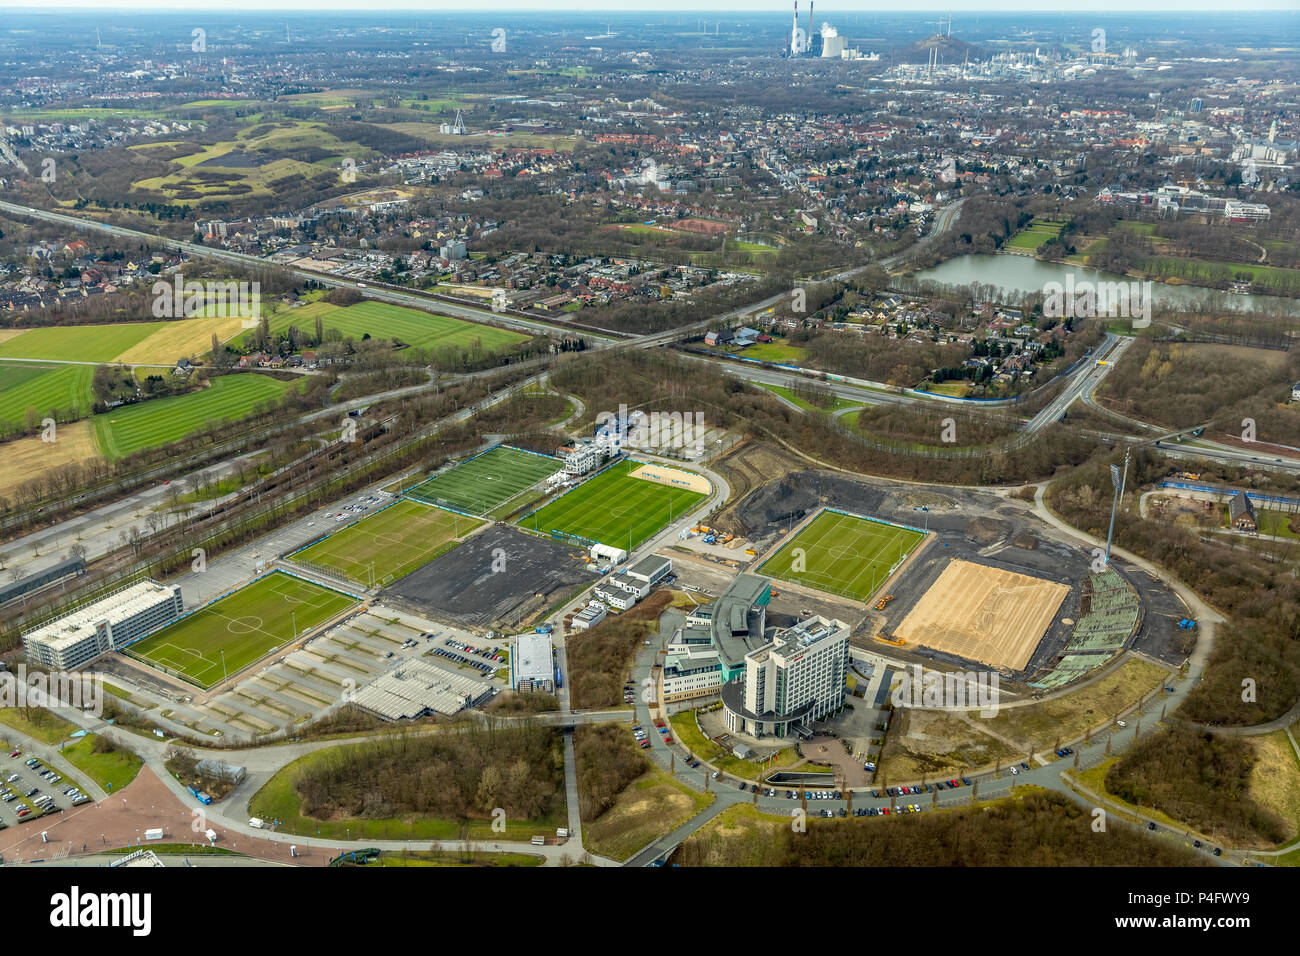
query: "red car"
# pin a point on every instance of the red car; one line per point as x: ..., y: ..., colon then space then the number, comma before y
x: 668, y: 740
x: 885, y: 810
x: 954, y: 784
x: 16, y: 753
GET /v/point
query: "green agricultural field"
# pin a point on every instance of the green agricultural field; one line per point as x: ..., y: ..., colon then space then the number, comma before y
x: 383, y: 321
x: 775, y: 352
x: 78, y: 343
x: 842, y: 554
x: 391, y: 543
x: 45, y: 388
x: 614, y: 508
x: 488, y: 481
x: 234, y: 631
x: 163, y: 420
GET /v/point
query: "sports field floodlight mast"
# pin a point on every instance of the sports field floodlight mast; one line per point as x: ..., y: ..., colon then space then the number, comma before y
x: 1118, y: 481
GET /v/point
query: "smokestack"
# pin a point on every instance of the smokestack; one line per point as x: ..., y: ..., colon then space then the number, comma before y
x: 810, y: 9
x: 794, y: 31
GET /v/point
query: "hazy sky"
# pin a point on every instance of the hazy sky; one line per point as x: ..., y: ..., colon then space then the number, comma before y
x: 697, y: 7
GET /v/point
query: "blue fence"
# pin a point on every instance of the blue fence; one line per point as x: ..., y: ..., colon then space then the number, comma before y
x: 1221, y: 490
x: 891, y: 524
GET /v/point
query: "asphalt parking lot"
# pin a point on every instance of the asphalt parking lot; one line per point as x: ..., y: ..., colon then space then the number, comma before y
x: 26, y: 796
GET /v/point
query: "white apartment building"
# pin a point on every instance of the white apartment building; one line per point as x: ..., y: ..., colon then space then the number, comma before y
x: 788, y: 684
x: 108, y: 624
x: 583, y: 457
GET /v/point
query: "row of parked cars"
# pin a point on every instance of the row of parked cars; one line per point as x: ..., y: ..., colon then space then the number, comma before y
x: 451, y: 655
x: 15, y: 787
x: 490, y: 653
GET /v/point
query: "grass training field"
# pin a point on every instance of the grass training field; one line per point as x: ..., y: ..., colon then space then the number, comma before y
x: 486, y: 482
x: 247, y: 624
x: 1034, y: 235
x: 614, y: 508
x: 383, y: 321
x: 842, y: 554
x: 45, y: 388
x: 397, y: 540
x: 159, y: 421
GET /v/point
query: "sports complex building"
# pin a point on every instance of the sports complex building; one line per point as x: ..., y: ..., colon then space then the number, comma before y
x: 111, y: 623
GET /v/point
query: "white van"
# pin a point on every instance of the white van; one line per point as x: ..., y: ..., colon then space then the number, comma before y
x: 539, y: 841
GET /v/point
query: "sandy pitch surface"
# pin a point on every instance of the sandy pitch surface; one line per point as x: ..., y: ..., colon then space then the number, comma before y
x: 984, y: 614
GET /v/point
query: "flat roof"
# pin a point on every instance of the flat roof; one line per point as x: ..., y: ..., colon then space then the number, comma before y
x: 648, y: 565
x: 733, y: 612
x: 532, y: 657
x: 77, y: 626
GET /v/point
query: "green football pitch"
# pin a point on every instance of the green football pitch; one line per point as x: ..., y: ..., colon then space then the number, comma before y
x: 614, y: 508
x: 842, y: 554
x: 245, y: 625
x: 483, y: 483
x: 389, y: 544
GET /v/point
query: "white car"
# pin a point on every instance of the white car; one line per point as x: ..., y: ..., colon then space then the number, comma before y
x: 1015, y: 770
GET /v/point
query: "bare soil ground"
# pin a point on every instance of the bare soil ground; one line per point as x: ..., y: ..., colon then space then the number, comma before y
x: 984, y: 614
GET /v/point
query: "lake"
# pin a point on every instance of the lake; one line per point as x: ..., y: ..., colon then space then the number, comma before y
x: 1012, y: 273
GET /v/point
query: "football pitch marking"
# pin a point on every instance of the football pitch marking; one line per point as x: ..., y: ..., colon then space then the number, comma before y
x: 615, y: 508
x: 395, y: 540
x: 844, y: 554
x: 250, y: 640
x: 508, y: 471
